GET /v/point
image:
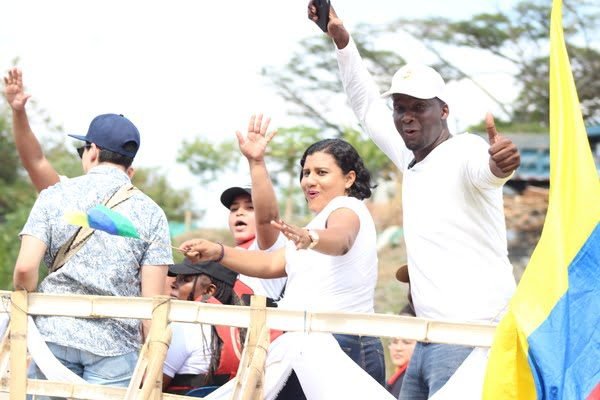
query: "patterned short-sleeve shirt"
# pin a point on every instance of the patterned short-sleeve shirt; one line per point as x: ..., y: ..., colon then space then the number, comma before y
x: 106, y: 265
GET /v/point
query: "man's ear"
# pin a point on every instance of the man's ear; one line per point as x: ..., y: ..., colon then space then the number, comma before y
x: 211, y: 290
x: 445, y: 111
x: 95, y: 152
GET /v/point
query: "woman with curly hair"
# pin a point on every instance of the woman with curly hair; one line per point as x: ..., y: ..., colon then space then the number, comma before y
x: 331, y: 263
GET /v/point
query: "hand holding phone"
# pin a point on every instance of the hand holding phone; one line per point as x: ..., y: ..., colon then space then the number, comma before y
x: 322, y: 13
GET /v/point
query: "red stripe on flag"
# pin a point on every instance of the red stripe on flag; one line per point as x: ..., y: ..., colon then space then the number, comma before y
x: 595, y: 395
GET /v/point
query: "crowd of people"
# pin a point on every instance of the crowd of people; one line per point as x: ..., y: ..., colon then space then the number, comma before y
x: 454, y: 229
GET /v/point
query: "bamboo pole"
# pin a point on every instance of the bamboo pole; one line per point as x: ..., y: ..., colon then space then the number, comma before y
x: 138, y: 373
x: 18, y: 345
x: 159, y: 312
x: 382, y: 325
x: 254, y: 381
x: 40, y: 387
x: 254, y: 339
x: 4, y: 353
x: 152, y: 387
x: 159, y: 339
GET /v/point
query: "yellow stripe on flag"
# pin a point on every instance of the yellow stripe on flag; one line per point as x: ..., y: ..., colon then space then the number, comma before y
x: 573, y: 212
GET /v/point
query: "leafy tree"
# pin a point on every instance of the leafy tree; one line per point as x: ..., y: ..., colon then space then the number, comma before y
x: 516, y: 39
x: 205, y: 159
x: 519, y: 39
x: 310, y: 81
x: 16, y: 198
x: 175, y: 203
x: 283, y: 159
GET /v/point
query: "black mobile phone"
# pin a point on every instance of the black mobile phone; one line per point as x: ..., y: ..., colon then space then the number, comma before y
x: 322, y: 13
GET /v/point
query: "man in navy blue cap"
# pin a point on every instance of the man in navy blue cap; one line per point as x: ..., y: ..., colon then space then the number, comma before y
x: 84, y: 261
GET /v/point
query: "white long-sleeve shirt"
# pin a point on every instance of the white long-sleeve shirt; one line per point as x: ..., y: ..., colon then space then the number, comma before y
x: 453, y: 213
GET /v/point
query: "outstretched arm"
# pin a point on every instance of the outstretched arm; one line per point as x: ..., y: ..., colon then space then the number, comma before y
x: 40, y: 171
x: 336, y: 239
x: 252, y: 263
x: 362, y: 91
x: 266, y: 209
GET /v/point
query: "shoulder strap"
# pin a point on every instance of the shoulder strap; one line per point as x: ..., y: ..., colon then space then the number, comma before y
x: 82, y: 235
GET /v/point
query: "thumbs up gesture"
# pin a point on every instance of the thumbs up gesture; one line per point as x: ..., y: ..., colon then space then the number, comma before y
x: 504, y: 154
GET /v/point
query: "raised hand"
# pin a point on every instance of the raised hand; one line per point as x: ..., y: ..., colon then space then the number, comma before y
x: 254, y: 145
x: 504, y: 154
x: 13, y: 90
x: 298, y: 235
x: 335, y: 26
x: 198, y: 250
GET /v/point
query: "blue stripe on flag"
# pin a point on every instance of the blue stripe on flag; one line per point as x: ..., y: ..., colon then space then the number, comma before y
x: 564, y: 351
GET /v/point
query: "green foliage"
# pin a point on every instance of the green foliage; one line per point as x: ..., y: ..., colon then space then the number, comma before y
x: 11, y: 223
x: 504, y: 126
x: 283, y: 160
x: 174, y: 202
x: 519, y: 38
x: 310, y: 79
x: 378, y: 164
x: 16, y: 198
x: 206, y: 159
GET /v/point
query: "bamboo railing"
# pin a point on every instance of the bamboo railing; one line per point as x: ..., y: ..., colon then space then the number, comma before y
x: 162, y: 310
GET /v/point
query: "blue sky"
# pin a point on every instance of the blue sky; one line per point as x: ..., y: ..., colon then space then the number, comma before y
x: 181, y: 69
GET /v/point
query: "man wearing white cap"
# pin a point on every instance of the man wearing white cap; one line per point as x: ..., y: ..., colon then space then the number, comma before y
x: 452, y: 202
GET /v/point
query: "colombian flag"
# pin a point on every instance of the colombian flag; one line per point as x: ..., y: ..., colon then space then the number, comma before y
x: 548, y: 344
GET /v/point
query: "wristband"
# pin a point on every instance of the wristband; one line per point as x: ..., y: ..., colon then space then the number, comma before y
x: 222, y: 253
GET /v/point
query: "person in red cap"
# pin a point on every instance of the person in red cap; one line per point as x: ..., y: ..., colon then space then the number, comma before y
x: 452, y: 202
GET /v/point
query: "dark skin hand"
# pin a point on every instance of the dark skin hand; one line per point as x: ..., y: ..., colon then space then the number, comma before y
x: 335, y: 27
x: 504, y: 154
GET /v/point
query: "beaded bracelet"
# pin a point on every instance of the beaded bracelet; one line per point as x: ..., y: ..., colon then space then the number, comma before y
x: 222, y: 253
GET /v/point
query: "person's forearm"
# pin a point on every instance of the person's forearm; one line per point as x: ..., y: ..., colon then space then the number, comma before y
x: 152, y: 279
x: 40, y: 171
x: 27, y: 144
x: 339, y: 34
x: 265, y: 204
x: 254, y: 263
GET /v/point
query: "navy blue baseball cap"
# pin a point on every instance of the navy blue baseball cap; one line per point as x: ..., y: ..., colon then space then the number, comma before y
x: 112, y: 132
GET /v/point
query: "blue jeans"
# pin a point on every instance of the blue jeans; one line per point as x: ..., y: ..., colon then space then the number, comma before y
x: 430, y: 367
x: 367, y: 352
x: 100, y: 370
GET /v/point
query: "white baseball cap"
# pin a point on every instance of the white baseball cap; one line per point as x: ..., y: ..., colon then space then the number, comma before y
x: 420, y: 81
